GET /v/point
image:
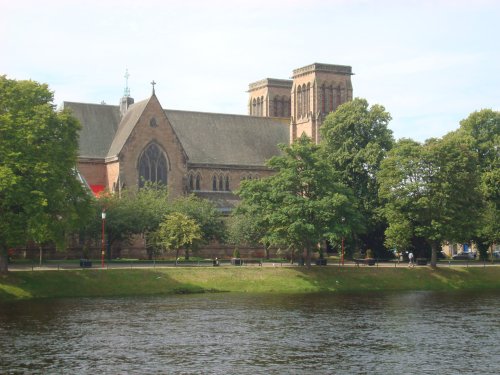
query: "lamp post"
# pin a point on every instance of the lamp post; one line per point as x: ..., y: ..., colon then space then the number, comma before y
x: 342, y: 257
x: 103, y: 242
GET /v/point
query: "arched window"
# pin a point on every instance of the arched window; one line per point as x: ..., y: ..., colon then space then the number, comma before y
x: 191, y: 182
x: 331, y: 99
x: 254, y: 107
x: 304, y: 100
x: 198, y: 182
x: 221, y: 183
x: 323, y: 99
x: 299, y: 102
x: 214, y: 183
x: 153, y: 166
x: 226, y: 183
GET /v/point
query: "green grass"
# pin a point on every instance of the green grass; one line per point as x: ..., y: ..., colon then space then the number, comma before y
x: 97, y: 282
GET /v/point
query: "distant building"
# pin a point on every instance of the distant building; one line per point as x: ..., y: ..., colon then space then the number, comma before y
x: 207, y: 154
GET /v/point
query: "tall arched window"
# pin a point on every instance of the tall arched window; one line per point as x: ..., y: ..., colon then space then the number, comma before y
x: 191, y: 182
x: 153, y: 166
x: 221, y: 183
x: 198, y: 182
x: 214, y: 183
x: 323, y: 99
x: 226, y: 183
x: 299, y: 102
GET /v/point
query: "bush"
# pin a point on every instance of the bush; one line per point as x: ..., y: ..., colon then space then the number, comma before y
x: 236, y: 253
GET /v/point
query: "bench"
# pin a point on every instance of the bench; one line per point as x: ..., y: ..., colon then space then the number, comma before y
x: 252, y: 261
x: 370, y: 262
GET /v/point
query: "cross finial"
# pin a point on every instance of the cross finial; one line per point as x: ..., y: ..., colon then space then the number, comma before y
x: 126, y: 92
x: 153, y: 83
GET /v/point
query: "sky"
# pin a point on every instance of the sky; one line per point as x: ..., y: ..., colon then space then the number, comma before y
x: 429, y: 63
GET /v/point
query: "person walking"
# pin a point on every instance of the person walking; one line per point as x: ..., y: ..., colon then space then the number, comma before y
x: 410, y: 260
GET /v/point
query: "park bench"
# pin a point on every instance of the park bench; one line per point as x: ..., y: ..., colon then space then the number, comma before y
x: 252, y: 261
x: 370, y: 262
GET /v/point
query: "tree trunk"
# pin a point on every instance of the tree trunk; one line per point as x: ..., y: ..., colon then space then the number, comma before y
x: 176, y: 256
x: 4, y: 254
x: 266, y: 250
x: 308, y: 257
x: 434, y: 247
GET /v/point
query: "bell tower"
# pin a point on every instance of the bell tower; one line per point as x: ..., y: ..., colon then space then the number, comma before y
x: 317, y: 90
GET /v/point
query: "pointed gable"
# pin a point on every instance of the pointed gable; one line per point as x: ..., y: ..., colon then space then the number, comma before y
x: 126, y: 127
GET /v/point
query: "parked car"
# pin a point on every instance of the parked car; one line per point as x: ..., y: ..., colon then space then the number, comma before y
x: 463, y: 256
x: 496, y: 254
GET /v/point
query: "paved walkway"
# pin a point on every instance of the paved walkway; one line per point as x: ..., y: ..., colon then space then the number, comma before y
x: 53, y: 265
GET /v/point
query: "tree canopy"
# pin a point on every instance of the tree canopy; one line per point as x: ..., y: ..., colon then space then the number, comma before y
x: 177, y: 231
x: 303, y: 203
x: 355, y: 140
x: 432, y: 191
x: 484, y: 129
x: 41, y: 197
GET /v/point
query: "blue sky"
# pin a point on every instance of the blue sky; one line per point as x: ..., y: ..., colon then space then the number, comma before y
x: 430, y: 63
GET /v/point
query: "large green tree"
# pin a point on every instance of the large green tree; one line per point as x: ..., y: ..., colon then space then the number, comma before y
x: 177, y: 231
x: 355, y: 140
x: 41, y: 198
x: 484, y: 128
x: 303, y: 203
x: 432, y: 191
x: 206, y: 215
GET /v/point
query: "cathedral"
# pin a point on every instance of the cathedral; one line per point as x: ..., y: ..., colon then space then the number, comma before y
x: 206, y: 154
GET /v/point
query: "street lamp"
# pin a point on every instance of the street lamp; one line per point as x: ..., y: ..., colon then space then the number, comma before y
x: 103, y: 243
x: 342, y: 258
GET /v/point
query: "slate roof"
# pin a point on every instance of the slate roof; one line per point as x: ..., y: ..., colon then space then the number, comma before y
x: 99, y: 124
x: 214, y: 138
x: 126, y: 126
x: 207, y: 138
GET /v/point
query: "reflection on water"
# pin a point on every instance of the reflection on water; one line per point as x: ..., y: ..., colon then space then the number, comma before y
x: 401, y: 333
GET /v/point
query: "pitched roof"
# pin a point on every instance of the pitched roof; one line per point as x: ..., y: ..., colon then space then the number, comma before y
x: 99, y: 124
x: 126, y: 126
x: 207, y: 138
x: 224, y: 139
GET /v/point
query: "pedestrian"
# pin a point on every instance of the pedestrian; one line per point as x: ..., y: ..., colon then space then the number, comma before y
x: 410, y: 259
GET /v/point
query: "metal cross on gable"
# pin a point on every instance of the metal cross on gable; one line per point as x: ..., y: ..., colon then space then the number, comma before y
x: 153, y: 83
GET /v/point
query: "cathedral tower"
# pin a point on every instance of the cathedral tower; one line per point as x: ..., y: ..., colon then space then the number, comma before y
x: 270, y: 97
x: 317, y: 90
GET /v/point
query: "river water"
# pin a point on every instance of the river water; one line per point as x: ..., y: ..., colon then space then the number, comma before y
x: 382, y: 333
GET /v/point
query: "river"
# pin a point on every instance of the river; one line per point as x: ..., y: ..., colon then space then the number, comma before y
x: 381, y: 333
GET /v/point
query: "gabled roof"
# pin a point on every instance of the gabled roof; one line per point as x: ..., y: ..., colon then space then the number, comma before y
x: 224, y: 139
x: 207, y: 138
x: 99, y: 124
x: 127, y: 124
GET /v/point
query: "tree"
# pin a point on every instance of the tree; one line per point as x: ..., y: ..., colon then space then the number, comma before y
x: 355, y: 140
x: 206, y: 215
x: 177, y: 231
x: 484, y: 128
x: 41, y: 198
x: 247, y: 228
x: 302, y: 203
x: 133, y: 212
x: 432, y: 191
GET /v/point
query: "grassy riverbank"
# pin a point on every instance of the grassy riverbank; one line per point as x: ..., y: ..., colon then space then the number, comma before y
x: 119, y: 282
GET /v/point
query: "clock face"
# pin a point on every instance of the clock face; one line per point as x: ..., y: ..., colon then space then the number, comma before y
x: 153, y: 122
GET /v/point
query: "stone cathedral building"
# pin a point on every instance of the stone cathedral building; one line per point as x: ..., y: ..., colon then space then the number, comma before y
x: 207, y: 154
